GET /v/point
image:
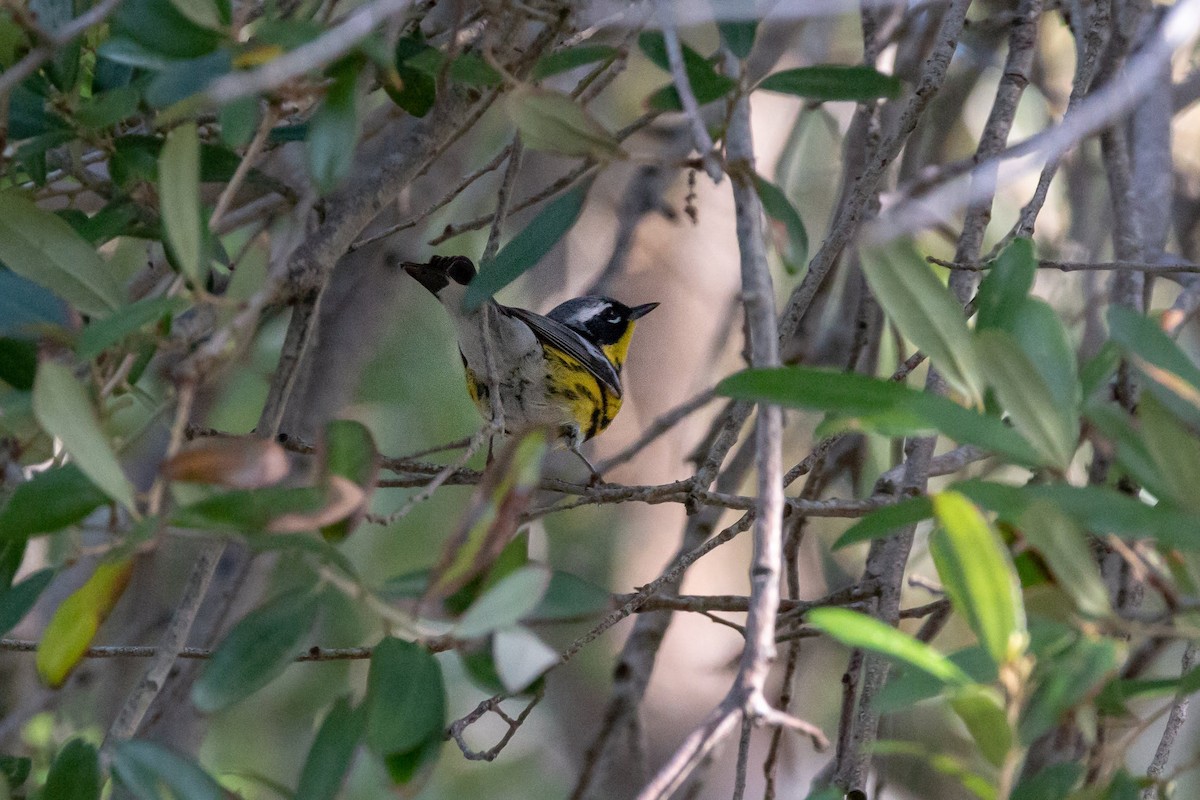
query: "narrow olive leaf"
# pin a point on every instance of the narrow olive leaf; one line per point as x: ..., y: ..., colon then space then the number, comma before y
x: 179, y: 200
x: 406, y: 698
x: 63, y: 408
x: 1067, y: 675
x: 938, y: 760
x: 570, y: 58
x: 49, y: 501
x: 570, y: 597
x: 503, y: 605
x: 707, y: 84
x: 331, y: 753
x: 75, y: 773
x: 15, y: 770
x: 341, y: 499
x: 521, y: 657
x: 888, y: 407
x: 1132, y: 448
x: 350, y: 453
x: 738, y: 35
x: 883, y: 521
x: 528, y: 247
x: 18, y: 362
x: 1005, y: 287
x: 1038, y: 331
x: 554, y: 122
x: 928, y: 316
x: 17, y: 600
x: 248, y: 510
x: 1051, y: 427
x: 100, y: 335
x: 492, y: 516
x: 149, y: 771
x: 1099, y: 510
x: 12, y: 554
x: 979, y: 576
x: 41, y: 247
x: 780, y: 210
x: 833, y: 82
x: 982, y: 710
x: 1171, y: 375
x: 1052, y: 783
x: 333, y: 130
x: 854, y: 629
x: 1174, y: 452
x: 76, y: 620
x: 242, y: 462
x: 258, y: 649
x: 1065, y: 549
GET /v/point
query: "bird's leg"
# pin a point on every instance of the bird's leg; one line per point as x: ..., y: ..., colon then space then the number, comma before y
x: 596, y: 478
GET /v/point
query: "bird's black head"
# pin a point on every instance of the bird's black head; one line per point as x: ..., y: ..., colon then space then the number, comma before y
x: 440, y: 271
x: 601, y: 319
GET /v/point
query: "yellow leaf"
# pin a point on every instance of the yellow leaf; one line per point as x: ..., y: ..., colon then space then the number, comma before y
x: 77, y: 619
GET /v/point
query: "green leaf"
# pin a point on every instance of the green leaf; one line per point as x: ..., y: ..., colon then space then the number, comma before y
x: 416, y: 93
x: 64, y: 410
x: 506, y: 603
x: 147, y: 769
x: 160, y: 28
x: 569, y: 597
x: 521, y: 657
x: 75, y: 773
x: 707, y: 84
x: 107, y: 109
x: 833, y: 82
x: 1040, y: 334
x: 928, y: 316
x: 258, y: 649
x: 413, y: 766
x: 1067, y: 553
x: 40, y: 246
x: 1174, y: 452
x: 16, y: 601
x: 15, y: 770
x: 1171, y: 375
x: 489, y: 525
x: 1006, y: 286
x: 1066, y: 676
x: 100, y: 335
x: 406, y: 698
x: 248, y: 510
x: 24, y: 305
x: 979, y: 577
x: 854, y: 629
x: 528, y: 247
x: 552, y: 121
x: 883, y: 521
x: 1052, y: 427
x: 333, y: 130
x: 1099, y: 510
x: 239, y: 120
x: 76, y: 620
x: 1053, y: 783
x: 350, y: 453
x: 738, y: 36
x: 179, y: 200
x: 889, y: 407
x: 12, y: 554
x: 18, y: 362
x: 570, y: 58
x: 780, y: 209
x: 982, y: 711
x: 331, y: 753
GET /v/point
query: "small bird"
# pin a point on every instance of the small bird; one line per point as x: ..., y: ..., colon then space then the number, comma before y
x: 560, y: 371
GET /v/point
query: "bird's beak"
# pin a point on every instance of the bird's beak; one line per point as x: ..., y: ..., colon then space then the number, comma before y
x: 637, y: 312
x: 432, y: 278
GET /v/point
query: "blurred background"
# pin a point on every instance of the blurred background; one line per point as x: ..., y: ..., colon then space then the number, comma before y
x: 652, y: 230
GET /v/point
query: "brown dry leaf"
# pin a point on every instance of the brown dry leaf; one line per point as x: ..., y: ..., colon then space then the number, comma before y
x: 239, y: 462
x: 343, y: 498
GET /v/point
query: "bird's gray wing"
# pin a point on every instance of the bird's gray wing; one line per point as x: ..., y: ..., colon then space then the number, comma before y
x: 552, y: 332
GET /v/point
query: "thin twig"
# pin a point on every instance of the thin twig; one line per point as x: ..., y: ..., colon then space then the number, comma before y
x: 683, y: 86
x: 320, y: 52
x: 314, y: 653
x: 1078, y: 266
